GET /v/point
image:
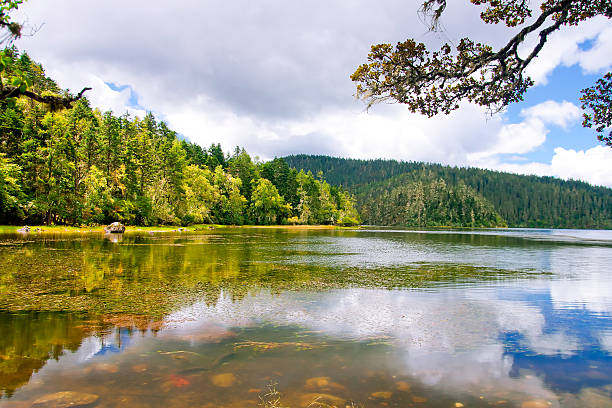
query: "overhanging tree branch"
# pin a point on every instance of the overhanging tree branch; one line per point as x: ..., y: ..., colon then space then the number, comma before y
x: 435, y: 82
x: 54, y: 102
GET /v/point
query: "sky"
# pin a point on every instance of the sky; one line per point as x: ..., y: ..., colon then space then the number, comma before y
x: 272, y: 76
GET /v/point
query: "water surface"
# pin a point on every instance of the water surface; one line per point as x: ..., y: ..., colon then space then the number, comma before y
x: 370, y: 318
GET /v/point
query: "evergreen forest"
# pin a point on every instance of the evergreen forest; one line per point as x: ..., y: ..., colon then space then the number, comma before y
x: 390, y: 192
x: 80, y: 166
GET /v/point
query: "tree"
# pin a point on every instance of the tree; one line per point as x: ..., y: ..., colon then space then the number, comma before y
x: 199, y: 195
x: 14, y: 82
x: 240, y: 165
x: 435, y: 82
x: 267, y: 206
x: 10, y: 190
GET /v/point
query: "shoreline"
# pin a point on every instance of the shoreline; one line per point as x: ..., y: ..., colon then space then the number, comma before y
x: 38, y: 229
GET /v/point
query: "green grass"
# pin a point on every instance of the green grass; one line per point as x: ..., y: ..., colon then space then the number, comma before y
x: 157, y: 228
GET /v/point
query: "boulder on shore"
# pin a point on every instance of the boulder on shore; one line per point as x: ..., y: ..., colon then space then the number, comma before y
x: 115, y: 228
x: 24, y: 229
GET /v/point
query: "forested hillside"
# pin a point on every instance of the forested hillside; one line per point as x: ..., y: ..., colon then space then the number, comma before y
x: 522, y: 201
x: 83, y: 166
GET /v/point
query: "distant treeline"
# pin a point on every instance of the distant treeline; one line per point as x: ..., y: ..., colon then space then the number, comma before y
x: 389, y: 192
x: 82, y: 166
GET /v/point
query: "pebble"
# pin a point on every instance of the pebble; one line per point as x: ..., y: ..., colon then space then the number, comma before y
x: 65, y: 399
x: 536, y: 404
x: 224, y: 380
x: 139, y: 368
x: 310, y: 400
x: 403, y: 386
x: 104, y: 367
x: 381, y: 395
x: 323, y: 384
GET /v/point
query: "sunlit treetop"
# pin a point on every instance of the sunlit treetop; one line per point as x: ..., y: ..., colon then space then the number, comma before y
x: 433, y: 82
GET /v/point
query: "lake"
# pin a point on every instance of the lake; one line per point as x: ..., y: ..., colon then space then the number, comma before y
x: 247, y: 317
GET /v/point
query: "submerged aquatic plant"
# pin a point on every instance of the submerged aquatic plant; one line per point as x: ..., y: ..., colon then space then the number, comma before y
x: 272, y: 398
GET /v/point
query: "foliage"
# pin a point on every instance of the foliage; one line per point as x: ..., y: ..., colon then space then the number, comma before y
x: 10, y: 190
x: 429, y: 204
x: 522, y: 201
x: 435, y: 82
x: 598, y: 99
x: 81, y: 166
x: 267, y: 206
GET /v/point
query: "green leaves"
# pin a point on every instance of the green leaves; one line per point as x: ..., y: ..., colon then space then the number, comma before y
x: 597, y: 104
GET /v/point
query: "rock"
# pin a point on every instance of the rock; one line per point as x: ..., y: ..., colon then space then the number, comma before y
x: 381, y: 395
x: 539, y: 403
x: 322, y: 384
x: 65, y: 399
x: 25, y: 228
x: 115, y: 228
x: 140, y: 368
x: 321, y: 400
x: 403, y: 386
x: 225, y: 380
x: 102, y: 367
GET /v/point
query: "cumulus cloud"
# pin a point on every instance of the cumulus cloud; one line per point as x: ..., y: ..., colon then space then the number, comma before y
x: 590, y: 165
x: 565, y: 48
x: 524, y: 137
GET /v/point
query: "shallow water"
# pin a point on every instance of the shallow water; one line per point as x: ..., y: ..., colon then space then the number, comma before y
x: 369, y: 318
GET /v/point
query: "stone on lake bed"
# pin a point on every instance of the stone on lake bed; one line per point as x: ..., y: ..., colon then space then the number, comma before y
x: 538, y: 403
x: 139, y: 368
x: 324, y: 400
x: 381, y: 395
x: 403, y: 386
x: 322, y: 383
x: 65, y: 399
x: 225, y: 380
x: 102, y: 367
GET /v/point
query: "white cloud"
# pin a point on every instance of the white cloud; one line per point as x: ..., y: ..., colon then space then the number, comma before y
x: 591, y: 165
x: 524, y: 137
x: 551, y: 112
x: 563, y: 48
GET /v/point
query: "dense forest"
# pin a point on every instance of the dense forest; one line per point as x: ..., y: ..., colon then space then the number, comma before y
x: 520, y: 201
x: 82, y: 166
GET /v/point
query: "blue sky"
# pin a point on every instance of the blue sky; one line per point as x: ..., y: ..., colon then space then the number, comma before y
x: 273, y: 76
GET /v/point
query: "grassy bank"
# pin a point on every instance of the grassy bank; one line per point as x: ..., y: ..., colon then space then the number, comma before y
x: 160, y: 228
